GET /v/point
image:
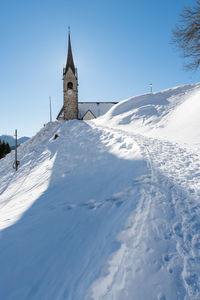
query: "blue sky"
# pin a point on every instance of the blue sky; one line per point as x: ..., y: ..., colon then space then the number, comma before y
x: 119, y: 47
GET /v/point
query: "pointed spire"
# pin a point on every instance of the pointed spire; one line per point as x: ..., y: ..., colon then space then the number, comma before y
x: 70, y: 61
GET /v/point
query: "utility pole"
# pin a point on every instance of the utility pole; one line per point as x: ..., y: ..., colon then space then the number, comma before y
x: 150, y: 84
x: 16, y: 162
x: 50, y: 109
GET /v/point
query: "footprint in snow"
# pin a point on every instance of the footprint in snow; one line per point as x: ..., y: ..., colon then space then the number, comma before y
x: 142, y: 180
x: 68, y: 207
x: 122, y: 146
x: 65, y: 206
x: 167, y: 257
x: 91, y: 204
x: 178, y: 229
x: 119, y: 140
x: 167, y: 261
x: 118, y: 198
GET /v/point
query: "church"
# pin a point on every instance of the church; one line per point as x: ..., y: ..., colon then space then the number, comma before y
x: 72, y: 108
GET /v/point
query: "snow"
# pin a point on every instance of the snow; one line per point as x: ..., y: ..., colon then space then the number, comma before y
x: 172, y: 114
x: 97, y: 108
x: 110, y: 208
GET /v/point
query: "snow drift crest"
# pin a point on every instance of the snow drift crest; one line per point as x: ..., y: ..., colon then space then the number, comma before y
x: 172, y: 114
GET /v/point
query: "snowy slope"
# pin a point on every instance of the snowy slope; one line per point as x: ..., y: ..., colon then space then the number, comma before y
x: 171, y: 114
x: 61, y: 212
x: 103, y: 211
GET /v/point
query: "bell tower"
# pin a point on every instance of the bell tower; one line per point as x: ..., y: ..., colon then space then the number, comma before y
x: 70, y: 86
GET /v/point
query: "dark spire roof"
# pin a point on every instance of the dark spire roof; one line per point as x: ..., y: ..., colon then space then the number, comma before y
x: 70, y: 61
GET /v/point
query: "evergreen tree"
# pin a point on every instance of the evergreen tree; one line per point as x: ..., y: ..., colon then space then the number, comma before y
x: 4, y: 149
x: 8, y: 149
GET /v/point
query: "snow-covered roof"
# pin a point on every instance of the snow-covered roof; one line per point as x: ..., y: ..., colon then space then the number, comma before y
x: 97, y: 108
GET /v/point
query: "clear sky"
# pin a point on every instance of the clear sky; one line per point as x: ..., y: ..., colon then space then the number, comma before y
x: 119, y: 47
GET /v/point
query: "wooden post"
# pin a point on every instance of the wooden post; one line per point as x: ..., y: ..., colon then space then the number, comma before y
x: 16, y: 162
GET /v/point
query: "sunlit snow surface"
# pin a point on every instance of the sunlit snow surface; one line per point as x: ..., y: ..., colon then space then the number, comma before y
x: 108, y: 210
x: 172, y: 114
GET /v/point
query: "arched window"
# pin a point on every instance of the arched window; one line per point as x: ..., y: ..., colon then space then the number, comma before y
x: 70, y: 86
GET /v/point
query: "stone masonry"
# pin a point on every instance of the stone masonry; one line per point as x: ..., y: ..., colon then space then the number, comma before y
x: 70, y: 89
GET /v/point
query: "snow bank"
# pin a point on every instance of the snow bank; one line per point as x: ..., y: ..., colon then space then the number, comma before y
x: 97, y: 211
x: 172, y: 114
x: 61, y: 212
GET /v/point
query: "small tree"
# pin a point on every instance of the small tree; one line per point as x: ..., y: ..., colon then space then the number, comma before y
x: 4, y: 149
x: 8, y: 149
x: 186, y: 35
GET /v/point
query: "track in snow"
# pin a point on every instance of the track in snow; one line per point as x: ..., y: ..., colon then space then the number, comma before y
x: 161, y: 245
x: 65, y: 233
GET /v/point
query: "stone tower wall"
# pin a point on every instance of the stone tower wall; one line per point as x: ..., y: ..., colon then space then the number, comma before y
x: 70, y: 100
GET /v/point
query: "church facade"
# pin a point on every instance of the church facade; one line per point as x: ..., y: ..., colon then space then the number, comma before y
x: 72, y: 108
